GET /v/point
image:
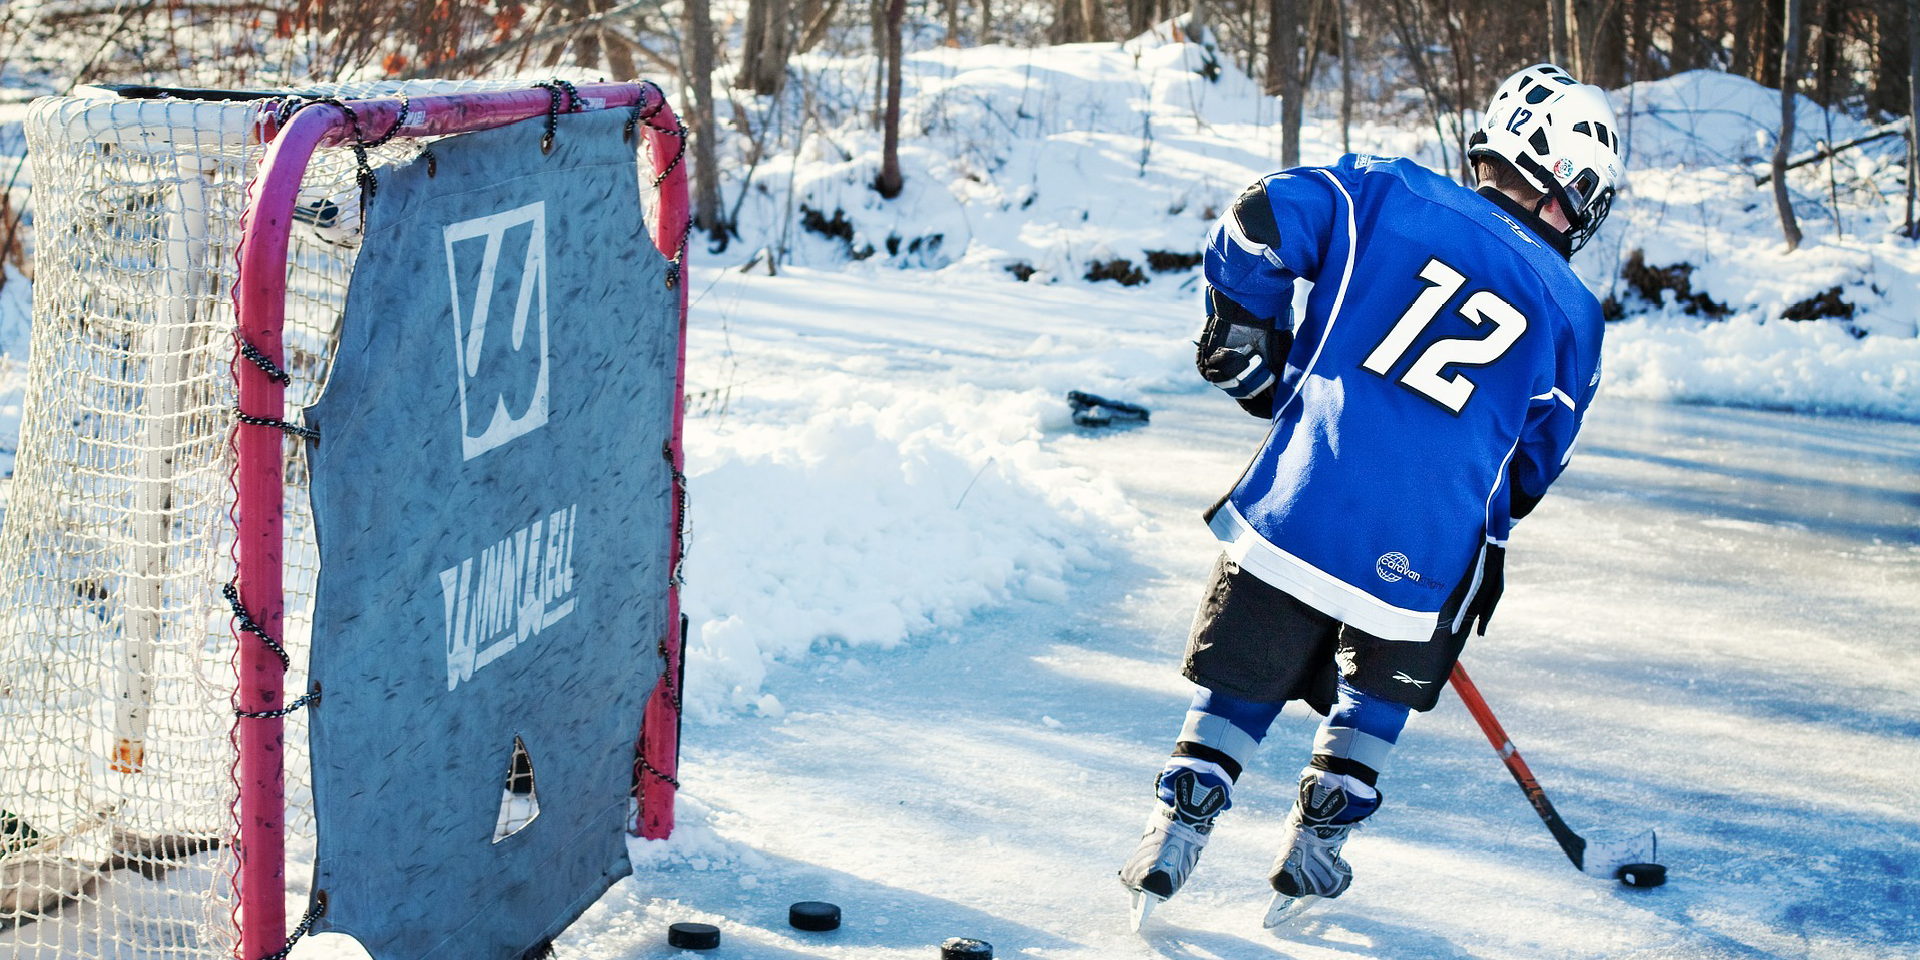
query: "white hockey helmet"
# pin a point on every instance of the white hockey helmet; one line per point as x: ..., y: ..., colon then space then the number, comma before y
x: 1561, y: 136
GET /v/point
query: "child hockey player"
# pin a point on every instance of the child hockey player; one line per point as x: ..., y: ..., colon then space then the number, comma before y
x: 1423, y: 401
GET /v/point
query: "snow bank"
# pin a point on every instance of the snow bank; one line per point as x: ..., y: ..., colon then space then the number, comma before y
x: 1742, y: 361
x: 859, y: 513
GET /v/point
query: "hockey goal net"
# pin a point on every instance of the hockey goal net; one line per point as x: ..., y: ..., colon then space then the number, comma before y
x: 120, y: 791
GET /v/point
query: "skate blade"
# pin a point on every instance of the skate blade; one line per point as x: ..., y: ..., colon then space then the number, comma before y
x: 1141, y: 906
x: 1283, y: 909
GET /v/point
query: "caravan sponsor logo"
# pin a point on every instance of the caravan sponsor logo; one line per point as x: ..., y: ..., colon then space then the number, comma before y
x: 1395, y: 567
x: 511, y: 591
x: 497, y: 273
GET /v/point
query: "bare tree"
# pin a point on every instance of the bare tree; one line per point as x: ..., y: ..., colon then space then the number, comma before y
x: 1094, y: 19
x: 1789, y: 80
x: 1346, y: 75
x: 1557, y: 34
x: 891, y: 180
x: 1913, y: 112
x: 1283, y: 75
x: 766, y: 45
x: 706, y: 170
x: 818, y: 19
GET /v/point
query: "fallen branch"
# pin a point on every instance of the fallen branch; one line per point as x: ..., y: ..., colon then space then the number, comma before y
x: 1897, y: 128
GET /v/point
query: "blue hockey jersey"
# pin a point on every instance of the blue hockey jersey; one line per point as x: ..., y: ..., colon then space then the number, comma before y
x: 1445, y: 352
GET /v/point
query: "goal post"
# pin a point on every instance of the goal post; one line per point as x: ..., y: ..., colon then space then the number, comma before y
x: 196, y: 259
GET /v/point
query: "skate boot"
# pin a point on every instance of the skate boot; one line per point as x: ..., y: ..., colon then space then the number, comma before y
x: 1175, y: 834
x: 1309, y: 863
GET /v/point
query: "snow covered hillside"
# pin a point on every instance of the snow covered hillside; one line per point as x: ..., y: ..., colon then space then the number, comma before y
x: 1102, y: 161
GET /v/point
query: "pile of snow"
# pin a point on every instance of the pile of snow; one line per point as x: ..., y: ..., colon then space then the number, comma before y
x: 857, y: 512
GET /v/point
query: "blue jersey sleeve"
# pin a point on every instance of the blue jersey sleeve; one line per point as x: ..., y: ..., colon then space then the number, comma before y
x: 1277, y: 230
x: 1553, y: 422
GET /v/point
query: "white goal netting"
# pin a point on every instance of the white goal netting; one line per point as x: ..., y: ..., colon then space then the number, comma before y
x: 117, y: 784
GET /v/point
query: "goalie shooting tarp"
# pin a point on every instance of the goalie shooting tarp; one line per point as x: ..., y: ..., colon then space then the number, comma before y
x: 493, y: 510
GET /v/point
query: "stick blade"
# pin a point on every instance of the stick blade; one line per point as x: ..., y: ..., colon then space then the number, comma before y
x: 1604, y: 858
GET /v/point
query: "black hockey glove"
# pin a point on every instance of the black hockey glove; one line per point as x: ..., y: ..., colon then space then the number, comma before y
x: 1493, y: 579
x: 1229, y: 354
x: 1243, y: 375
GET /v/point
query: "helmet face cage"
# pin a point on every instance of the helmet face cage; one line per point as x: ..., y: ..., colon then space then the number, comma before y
x: 1560, y: 135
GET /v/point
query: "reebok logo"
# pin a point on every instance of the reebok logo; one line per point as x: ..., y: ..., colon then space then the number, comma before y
x: 1403, y: 678
x: 497, y: 276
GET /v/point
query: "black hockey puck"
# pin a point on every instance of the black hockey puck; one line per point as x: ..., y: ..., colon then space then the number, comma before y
x: 1642, y: 874
x: 813, y: 915
x: 966, y: 948
x: 693, y: 936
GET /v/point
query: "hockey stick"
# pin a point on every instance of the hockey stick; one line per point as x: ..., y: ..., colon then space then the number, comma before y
x: 1631, y: 861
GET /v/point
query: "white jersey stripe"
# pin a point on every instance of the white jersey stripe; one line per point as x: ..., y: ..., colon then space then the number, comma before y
x: 1315, y: 587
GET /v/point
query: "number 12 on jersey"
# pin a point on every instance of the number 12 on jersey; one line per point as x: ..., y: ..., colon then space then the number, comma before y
x: 1425, y: 376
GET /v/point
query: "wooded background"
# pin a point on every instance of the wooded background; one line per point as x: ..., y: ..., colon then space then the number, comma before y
x: 1861, y: 55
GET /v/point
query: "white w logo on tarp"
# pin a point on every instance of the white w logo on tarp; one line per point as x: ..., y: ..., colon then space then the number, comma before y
x: 503, y: 368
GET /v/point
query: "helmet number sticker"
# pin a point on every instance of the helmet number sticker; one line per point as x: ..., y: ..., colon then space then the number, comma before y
x: 1429, y: 374
x: 1519, y: 119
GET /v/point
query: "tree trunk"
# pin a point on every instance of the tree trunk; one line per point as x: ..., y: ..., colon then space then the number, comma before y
x: 986, y: 21
x: 1066, y: 22
x: 1684, y: 29
x: 752, y: 37
x: 891, y: 180
x: 1601, y: 44
x: 1637, y: 63
x: 819, y: 21
x: 1913, y: 112
x: 1283, y: 75
x: 1789, y: 77
x: 706, y: 166
x: 1557, y: 35
x: 1746, y: 58
x: 766, y: 45
x: 1197, y: 22
x: 1771, y: 40
x: 953, y: 22
x: 1095, y: 21
x: 1577, y: 30
x: 877, y: 19
x: 1346, y: 75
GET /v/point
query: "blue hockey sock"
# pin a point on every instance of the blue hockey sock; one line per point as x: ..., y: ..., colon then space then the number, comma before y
x: 1220, y: 735
x: 1352, y: 745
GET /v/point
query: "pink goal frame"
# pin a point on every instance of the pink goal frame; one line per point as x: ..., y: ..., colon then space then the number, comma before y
x: 260, y: 303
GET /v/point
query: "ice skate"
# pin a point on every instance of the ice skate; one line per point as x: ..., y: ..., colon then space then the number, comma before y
x: 1308, y: 868
x: 1171, y: 844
